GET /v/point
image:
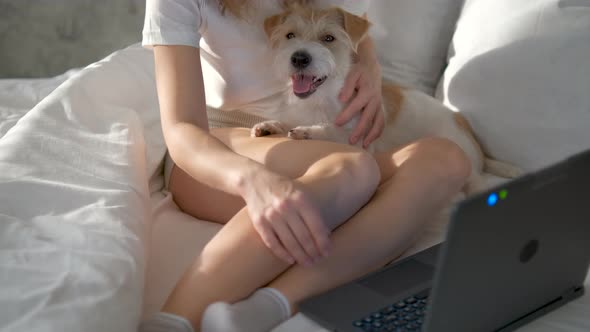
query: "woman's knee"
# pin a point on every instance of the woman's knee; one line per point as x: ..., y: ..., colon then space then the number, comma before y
x: 354, y: 177
x: 447, y: 159
x: 357, y: 178
x: 357, y: 169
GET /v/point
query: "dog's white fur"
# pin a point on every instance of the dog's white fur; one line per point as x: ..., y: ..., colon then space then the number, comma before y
x: 410, y: 114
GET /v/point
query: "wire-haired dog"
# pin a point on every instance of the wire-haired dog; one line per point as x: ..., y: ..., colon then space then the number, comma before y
x: 314, y: 51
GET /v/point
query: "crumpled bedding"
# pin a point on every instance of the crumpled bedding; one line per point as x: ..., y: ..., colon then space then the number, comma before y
x: 74, y: 199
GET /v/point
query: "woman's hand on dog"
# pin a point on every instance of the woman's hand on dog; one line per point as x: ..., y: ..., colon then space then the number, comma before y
x: 364, y: 78
x: 285, y: 218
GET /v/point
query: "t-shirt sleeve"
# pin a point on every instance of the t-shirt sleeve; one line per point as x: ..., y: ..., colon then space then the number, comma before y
x: 172, y: 22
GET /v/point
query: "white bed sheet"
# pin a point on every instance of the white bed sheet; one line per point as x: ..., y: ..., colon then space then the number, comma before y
x: 72, y: 265
x: 74, y: 196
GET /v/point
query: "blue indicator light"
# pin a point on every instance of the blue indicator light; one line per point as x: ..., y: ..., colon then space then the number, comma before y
x: 492, y: 199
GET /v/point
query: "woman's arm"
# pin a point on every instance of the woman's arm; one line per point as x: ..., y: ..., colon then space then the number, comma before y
x: 365, y: 77
x: 271, y: 199
x: 184, y: 123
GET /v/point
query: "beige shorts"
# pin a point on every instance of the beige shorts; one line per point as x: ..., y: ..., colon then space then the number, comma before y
x: 217, y: 119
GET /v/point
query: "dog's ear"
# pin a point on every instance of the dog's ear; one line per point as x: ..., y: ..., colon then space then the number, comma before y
x: 355, y: 26
x: 270, y: 23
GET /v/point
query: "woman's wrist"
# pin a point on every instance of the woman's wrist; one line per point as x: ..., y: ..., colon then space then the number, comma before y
x: 244, y: 177
x: 367, y: 55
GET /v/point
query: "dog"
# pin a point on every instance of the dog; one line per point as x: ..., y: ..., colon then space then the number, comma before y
x: 314, y: 50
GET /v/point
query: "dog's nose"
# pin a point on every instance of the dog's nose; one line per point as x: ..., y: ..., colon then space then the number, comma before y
x: 300, y: 59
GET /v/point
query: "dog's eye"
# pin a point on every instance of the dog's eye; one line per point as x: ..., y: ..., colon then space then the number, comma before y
x: 290, y: 35
x: 329, y: 38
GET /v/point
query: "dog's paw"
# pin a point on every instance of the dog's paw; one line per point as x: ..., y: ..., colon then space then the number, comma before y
x: 300, y: 132
x: 502, y: 169
x: 267, y: 128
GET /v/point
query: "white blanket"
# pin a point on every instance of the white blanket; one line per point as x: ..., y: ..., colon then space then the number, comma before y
x: 74, y: 197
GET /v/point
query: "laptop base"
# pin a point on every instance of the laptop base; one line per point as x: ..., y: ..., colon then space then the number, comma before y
x: 567, y: 297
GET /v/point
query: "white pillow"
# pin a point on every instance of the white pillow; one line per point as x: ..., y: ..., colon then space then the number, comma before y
x: 520, y: 72
x: 412, y: 38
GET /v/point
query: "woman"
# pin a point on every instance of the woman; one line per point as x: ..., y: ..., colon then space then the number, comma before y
x: 280, y: 200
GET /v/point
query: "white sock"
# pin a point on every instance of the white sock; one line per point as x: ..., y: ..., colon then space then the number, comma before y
x: 261, y: 312
x: 165, y: 322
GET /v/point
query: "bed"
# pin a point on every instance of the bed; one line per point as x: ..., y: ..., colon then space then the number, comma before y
x: 74, y: 263
x: 90, y: 242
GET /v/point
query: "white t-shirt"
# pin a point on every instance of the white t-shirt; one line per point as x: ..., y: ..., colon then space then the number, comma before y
x: 235, y: 55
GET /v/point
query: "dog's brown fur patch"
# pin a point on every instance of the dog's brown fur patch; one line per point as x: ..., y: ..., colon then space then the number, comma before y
x: 466, y: 127
x: 393, y: 99
x: 271, y: 22
x: 357, y: 27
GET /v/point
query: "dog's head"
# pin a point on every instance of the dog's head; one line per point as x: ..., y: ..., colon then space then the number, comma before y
x: 314, y: 46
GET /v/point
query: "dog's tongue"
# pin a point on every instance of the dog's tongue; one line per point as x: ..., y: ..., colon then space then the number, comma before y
x: 301, y: 83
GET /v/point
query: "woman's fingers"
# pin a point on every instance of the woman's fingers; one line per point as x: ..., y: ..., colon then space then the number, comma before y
x: 366, y: 80
x: 289, y: 225
x: 367, y: 118
x: 350, y: 84
x: 288, y: 239
x: 303, y: 236
x: 377, y: 129
x: 269, y: 238
x: 313, y: 221
x: 361, y: 100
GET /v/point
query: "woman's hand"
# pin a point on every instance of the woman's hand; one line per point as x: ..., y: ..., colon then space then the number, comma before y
x: 286, y: 218
x: 364, y: 79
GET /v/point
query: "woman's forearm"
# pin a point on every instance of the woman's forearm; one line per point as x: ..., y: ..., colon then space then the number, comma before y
x: 208, y: 160
x: 367, y: 54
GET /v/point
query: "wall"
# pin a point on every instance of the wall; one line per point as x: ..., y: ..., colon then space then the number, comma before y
x: 41, y: 38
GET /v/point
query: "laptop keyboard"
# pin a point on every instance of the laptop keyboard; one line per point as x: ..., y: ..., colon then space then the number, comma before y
x: 403, y: 316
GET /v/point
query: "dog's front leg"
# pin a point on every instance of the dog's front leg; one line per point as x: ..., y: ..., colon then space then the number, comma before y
x: 323, y: 131
x: 266, y: 128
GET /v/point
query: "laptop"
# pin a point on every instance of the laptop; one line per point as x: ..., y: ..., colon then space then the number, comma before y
x: 511, y: 254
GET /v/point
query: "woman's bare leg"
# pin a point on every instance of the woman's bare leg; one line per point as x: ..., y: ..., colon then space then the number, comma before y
x: 236, y: 262
x: 426, y: 173
x: 417, y: 182
x: 283, y: 156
